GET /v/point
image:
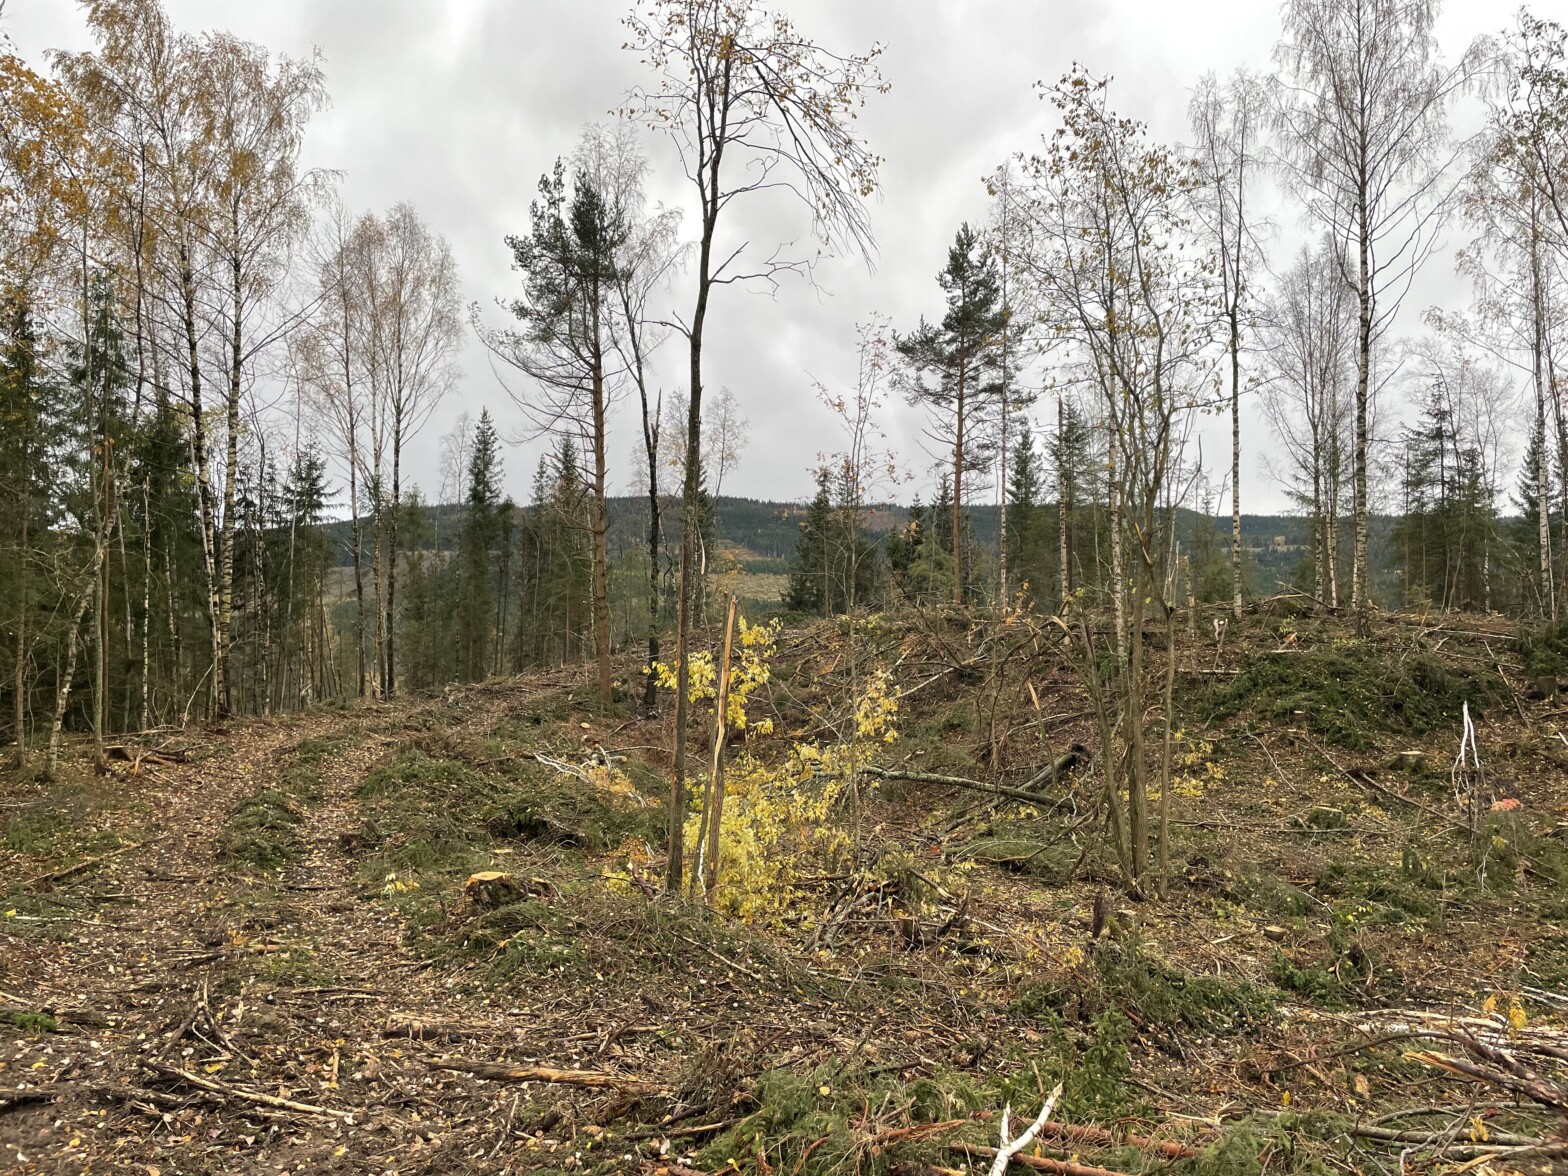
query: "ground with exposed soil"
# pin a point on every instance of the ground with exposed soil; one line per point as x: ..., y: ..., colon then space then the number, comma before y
x: 258, y: 947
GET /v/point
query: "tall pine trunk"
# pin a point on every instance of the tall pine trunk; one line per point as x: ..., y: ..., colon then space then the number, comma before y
x: 958, y: 492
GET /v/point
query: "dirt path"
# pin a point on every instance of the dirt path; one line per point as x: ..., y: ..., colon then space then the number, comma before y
x: 188, y: 995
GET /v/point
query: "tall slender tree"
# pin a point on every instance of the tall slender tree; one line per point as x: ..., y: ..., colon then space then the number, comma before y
x: 1362, y: 105
x: 1228, y: 123
x: 568, y: 262
x: 954, y: 368
x: 752, y: 105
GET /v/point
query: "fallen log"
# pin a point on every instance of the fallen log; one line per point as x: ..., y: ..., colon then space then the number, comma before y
x: 11, y: 1099
x: 418, y: 1029
x: 499, y: 1072
x: 954, y: 782
x: 1038, y: 1163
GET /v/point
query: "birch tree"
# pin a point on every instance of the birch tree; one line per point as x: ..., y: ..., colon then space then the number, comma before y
x: 1128, y: 299
x: 752, y: 105
x: 415, y: 326
x: 1308, y: 330
x: 1361, y: 110
x: 1227, y: 121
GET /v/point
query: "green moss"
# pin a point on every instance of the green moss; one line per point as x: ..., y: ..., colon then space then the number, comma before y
x: 34, y: 833
x: 263, y: 831
x: 1278, y: 1145
x: 29, y: 1022
x: 1348, y: 694
x: 1162, y: 995
x: 1544, y: 652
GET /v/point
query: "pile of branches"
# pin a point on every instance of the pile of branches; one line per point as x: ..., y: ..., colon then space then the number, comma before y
x: 1527, y: 1063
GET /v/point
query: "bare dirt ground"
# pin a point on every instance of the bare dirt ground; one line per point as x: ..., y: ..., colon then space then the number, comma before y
x: 175, y: 1000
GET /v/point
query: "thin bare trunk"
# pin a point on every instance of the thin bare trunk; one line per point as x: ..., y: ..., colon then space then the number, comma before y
x: 62, y: 691
x: 1543, y: 509
x: 1063, y: 516
x: 19, y: 663
x: 715, y: 807
x: 958, y: 491
x: 1360, y: 587
x: 1235, y: 458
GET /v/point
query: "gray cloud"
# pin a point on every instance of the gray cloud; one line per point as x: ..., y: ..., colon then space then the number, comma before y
x: 460, y: 105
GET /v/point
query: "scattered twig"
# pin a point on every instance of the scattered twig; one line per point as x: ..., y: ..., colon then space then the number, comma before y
x: 44, y: 880
x: 498, y: 1072
x: 223, y: 1089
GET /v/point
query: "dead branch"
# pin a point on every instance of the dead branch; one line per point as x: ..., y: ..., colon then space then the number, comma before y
x: 10, y: 1100
x: 1011, y: 1147
x: 1100, y: 1137
x: 1038, y: 1163
x: 44, y: 881
x: 419, y: 1029
x: 1522, y: 1082
x: 224, y: 1090
x: 498, y: 1072
x: 953, y: 782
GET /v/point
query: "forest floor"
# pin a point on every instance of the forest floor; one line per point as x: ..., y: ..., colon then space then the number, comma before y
x: 258, y: 947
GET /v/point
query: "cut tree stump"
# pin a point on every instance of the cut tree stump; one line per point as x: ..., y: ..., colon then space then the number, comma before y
x: 492, y: 888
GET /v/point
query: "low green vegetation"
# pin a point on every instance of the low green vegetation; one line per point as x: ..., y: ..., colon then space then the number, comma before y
x: 1350, y: 693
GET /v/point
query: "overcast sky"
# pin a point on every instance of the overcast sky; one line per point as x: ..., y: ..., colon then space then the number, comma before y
x: 460, y: 105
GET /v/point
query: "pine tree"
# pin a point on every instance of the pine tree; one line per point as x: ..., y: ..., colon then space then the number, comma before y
x: 954, y: 372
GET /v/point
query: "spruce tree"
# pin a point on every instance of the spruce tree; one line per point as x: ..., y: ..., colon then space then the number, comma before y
x: 808, y: 590
x: 32, y: 435
x: 1026, y: 541
x: 477, y: 548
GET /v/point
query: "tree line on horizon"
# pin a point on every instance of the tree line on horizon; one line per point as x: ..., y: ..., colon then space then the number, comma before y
x: 206, y: 360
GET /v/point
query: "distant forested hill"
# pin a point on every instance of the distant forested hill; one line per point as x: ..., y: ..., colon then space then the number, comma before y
x: 763, y: 534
